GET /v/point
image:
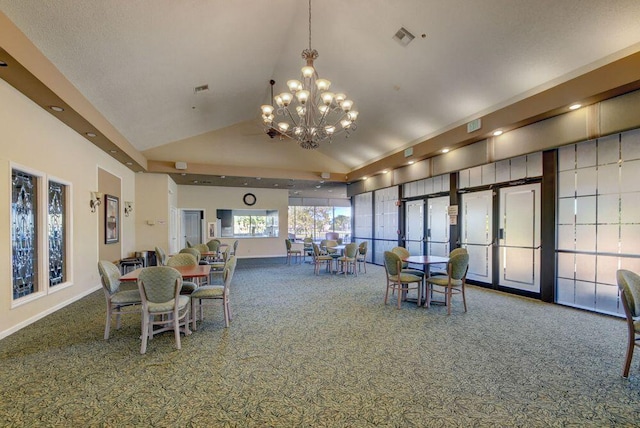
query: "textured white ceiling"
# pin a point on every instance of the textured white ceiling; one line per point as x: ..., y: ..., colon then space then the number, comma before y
x: 138, y: 61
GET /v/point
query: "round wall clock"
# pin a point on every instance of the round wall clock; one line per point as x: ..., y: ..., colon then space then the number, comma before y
x: 249, y: 199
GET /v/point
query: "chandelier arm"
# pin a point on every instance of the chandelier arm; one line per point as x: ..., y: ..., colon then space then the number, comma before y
x: 291, y: 117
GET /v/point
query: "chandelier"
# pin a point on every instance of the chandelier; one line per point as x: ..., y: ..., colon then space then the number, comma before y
x: 309, y: 113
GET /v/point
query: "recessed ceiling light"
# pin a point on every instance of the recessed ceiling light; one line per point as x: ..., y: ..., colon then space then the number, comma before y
x: 318, y: 186
x: 258, y: 178
x: 183, y: 174
x: 56, y: 108
x: 365, y: 177
x: 385, y: 171
x: 113, y: 151
x: 329, y: 191
x: 411, y: 162
x: 245, y: 184
x: 497, y: 132
x: 90, y: 134
x: 575, y: 106
x: 3, y: 64
x: 129, y: 163
x: 275, y: 184
x: 445, y: 150
x: 195, y: 181
x: 223, y: 176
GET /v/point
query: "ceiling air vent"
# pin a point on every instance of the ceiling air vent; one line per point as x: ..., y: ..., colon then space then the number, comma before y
x: 201, y: 88
x: 403, y: 36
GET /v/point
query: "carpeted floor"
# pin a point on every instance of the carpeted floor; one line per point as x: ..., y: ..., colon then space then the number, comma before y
x: 307, y: 351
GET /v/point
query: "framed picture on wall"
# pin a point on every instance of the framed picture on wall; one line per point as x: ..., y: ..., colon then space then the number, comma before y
x: 211, y: 230
x: 111, y: 219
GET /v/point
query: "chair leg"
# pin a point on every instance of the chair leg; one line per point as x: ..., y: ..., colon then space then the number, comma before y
x: 630, y: 347
x: 145, y: 332
x: 449, y: 294
x: 400, y: 293
x: 107, y: 325
x: 193, y: 312
x: 386, y: 294
x: 464, y: 298
x: 176, y: 329
x: 225, y: 311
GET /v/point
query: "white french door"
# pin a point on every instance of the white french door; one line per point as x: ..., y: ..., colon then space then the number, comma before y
x: 476, y: 234
x: 438, y: 227
x: 414, y: 226
x: 519, y: 237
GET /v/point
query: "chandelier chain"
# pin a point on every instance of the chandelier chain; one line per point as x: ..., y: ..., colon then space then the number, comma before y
x: 309, y: 24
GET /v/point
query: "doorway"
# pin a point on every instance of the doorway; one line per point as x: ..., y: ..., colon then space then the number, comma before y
x: 476, y: 234
x: 192, y: 227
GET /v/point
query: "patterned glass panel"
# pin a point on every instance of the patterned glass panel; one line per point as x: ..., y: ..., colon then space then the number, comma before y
x: 57, y: 244
x: 24, y: 237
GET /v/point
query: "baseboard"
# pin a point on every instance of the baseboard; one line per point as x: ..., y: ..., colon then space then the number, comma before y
x: 49, y: 311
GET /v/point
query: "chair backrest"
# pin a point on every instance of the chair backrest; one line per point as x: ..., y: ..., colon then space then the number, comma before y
x: 351, y: 250
x: 203, y: 248
x: 456, y: 251
x: 225, y: 255
x: 403, y: 253
x: 182, y: 259
x: 195, y: 253
x: 362, y: 248
x: 213, y: 245
x: 458, y: 265
x: 339, y: 241
x: 109, y: 276
x: 229, y: 270
x: 235, y: 246
x: 316, y: 250
x: 159, y: 284
x: 629, y: 284
x: 307, y: 242
x: 392, y: 263
x: 189, y: 244
x: 287, y: 242
x: 161, y: 257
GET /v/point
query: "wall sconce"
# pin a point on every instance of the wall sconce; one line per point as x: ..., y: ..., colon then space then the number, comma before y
x: 128, y: 208
x: 96, y: 199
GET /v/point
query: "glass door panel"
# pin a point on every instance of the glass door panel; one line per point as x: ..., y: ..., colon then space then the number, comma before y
x: 519, y: 237
x: 438, y: 227
x: 414, y: 227
x: 476, y: 233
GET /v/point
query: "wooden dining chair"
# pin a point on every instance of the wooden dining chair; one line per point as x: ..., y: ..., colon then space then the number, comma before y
x: 291, y: 253
x: 403, y: 253
x: 629, y: 285
x: 162, y: 303
x: 214, y: 292
x: 453, y: 283
x: 184, y: 259
x: 399, y: 281
x: 348, y: 260
x: 361, y: 257
x: 118, y: 301
x: 319, y: 259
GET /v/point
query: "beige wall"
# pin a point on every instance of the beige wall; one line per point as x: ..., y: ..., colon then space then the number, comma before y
x: 33, y: 138
x: 211, y: 199
x: 154, y: 195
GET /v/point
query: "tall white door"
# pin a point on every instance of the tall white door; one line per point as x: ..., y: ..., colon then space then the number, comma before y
x: 476, y: 234
x: 519, y: 237
x: 414, y: 227
x: 438, y: 227
x: 191, y: 227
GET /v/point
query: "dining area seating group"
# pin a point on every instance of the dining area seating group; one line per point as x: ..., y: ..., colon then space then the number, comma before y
x: 402, y: 278
x: 168, y: 297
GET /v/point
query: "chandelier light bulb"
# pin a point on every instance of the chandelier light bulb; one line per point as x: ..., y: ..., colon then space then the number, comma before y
x: 352, y: 115
x: 340, y: 98
x: 297, y: 130
x: 323, y: 84
x: 283, y: 126
x: 307, y: 71
x: 330, y: 129
x: 294, y: 85
x: 301, y: 111
x: 278, y: 100
x: 302, y: 96
x: 327, y: 98
x: 346, y: 105
x: 286, y: 98
x: 323, y: 109
x: 345, y: 123
x: 267, y: 109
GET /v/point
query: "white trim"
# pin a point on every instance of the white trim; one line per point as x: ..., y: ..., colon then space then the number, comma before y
x: 49, y: 311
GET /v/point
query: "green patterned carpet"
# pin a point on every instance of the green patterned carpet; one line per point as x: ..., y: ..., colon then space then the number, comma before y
x: 307, y: 351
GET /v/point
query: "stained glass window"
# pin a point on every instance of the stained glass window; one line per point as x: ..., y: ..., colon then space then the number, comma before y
x: 24, y: 236
x: 57, y: 233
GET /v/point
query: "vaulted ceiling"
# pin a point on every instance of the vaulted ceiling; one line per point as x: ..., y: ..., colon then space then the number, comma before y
x: 138, y: 62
